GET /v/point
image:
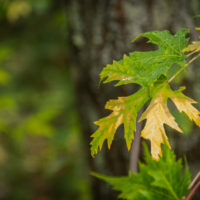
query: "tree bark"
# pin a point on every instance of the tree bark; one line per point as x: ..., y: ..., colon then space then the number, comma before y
x: 100, y: 31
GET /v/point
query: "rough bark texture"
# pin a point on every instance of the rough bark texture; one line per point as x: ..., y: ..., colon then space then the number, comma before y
x: 100, y: 31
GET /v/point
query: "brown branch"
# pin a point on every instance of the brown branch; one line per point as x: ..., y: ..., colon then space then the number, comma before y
x: 193, y: 191
x: 135, y: 149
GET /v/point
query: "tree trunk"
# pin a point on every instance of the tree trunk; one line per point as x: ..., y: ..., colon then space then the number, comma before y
x: 100, y: 31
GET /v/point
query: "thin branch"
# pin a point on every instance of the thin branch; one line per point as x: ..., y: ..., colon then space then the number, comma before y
x: 135, y: 149
x: 194, y: 180
x: 179, y: 71
x: 192, y: 60
x: 193, y: 191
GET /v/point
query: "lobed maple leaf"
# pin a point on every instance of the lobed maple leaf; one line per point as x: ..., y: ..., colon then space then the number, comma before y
x: 146, y: 67
x: 125, y: 111
x: 184, y: 104
x: 158, y: 179
x: 157, y: 114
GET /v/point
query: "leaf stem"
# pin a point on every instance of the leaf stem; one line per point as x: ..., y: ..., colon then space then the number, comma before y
x: 193, y: 191
x: 194, y: 180
x: 191, y: 53
x: 179, y: 71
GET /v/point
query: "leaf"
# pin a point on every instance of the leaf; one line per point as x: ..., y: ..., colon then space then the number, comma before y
x: 125, y: 111
x: 120, y: 70
x: 167, y: 174
x: 146, y: 67
x: 157, y: 114
x: 184, y: 104
x: 163, y: 179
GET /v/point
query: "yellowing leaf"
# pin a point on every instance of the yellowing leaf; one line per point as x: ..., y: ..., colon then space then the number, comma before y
x: 148, y: 69
x: 194, y: 47
x: 157, y: 114
x: 125, y: 111
x: 184, y: 104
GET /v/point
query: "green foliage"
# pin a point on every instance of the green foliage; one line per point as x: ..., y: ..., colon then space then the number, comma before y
x: 148, y: 69
x: 125, y: 111
x: 39, y: 125
x: 163, y: 179
x: 144, y: 68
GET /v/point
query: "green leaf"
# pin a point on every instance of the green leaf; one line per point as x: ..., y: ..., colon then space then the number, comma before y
x: 167, y: 174
x: 125, y: 111
x: 146, y: 67
x: 163, y: 179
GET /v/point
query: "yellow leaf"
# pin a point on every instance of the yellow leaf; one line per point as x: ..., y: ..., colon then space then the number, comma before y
x: 184, y: 104
x: 157, y: 114
x: 194, y: 47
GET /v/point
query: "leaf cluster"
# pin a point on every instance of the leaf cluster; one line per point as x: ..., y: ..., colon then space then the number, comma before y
x: 149, y: 70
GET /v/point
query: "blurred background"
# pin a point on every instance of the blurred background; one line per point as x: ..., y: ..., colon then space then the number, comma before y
x: 51, y: 54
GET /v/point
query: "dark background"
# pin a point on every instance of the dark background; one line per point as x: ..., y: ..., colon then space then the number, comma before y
x: 51, y: 54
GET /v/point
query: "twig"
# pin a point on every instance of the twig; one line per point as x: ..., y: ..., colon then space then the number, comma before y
x: 135, y: 150
x: 193, y: 191
x: 178, y: 72
x: 191, y: 53
x: 194, y: 180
